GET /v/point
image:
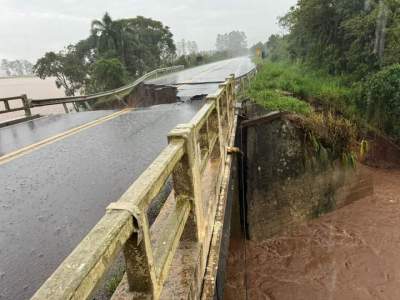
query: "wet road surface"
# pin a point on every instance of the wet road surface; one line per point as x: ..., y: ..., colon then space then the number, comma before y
x: 205, y: 79
x: 214, y: 72
x: 20, y: 135
x: 51, y: 198
x: 352, y: 253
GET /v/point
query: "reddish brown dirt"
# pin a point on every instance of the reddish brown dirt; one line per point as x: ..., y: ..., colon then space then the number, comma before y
x: 352, y: 253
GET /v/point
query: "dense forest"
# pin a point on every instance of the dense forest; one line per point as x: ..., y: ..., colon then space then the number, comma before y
x: 348, y: 53
x: 118, y: 51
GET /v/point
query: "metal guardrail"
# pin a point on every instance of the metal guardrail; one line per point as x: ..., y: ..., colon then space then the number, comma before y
x: 125, y: 226
x: 24, y: 105
x: 118, y: 93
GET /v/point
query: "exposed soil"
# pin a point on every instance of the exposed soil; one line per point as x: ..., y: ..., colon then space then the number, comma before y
x: 351, y: 253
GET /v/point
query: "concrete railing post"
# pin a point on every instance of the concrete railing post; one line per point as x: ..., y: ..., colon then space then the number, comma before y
x: 139, y: 263
x: 187, y: 179
x: 26, y: 105
x: 221, y: 137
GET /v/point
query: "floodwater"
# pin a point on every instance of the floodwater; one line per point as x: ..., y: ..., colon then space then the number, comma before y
x: 351, y: 253
x: 34, y: 88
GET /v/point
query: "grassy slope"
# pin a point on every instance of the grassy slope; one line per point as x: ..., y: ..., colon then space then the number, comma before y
x: 284, y: 87
x: 277, y: 81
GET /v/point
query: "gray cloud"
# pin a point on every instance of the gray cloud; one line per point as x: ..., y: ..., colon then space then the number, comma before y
x: 29, y: 28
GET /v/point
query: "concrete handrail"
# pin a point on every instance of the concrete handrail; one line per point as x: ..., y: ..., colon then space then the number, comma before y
x: 125, y: 225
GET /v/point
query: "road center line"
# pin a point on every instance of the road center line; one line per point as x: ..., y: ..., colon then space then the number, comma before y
x: 28, y: 149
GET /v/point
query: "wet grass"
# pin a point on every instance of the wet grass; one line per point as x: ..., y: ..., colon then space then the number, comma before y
x: 275, y: 101
x: 324, y: 103
x: 282, y: 86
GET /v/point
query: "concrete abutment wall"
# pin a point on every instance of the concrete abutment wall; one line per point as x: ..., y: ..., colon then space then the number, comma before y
x: 285, y: 184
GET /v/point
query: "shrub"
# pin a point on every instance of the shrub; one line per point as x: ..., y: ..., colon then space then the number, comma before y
x: 383, y: 93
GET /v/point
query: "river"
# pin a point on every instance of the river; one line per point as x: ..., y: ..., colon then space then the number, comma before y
x: 351, y: 253
x: 34, y: 88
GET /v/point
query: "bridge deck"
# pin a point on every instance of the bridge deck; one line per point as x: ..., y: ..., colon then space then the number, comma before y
x: 51, y: 197
x: 214, y: 72
x: 204, y: 79
x: 27, y: 133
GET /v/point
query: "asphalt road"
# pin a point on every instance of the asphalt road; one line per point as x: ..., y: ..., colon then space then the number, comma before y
x: 214, y: 72
x: 27, y: 133
x: 50, y: 198
x: 205, y: 79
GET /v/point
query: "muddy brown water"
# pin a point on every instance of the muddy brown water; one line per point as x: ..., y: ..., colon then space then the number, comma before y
x: 351, y: 253
x: 34, y: 88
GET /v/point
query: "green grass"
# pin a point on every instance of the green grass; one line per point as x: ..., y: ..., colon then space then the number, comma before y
x: 273, y: 101
x: 276, y: 80
x: 298, y: 89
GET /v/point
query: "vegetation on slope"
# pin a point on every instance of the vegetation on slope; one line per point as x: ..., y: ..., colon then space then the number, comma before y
x: 286, y: 87
x: 285, y: 78
x: 343, y: 56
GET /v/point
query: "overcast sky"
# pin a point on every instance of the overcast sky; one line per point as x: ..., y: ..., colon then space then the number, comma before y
x: 29, y: 28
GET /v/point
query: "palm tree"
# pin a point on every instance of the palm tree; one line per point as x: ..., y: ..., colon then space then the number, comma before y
x: 106, y: 32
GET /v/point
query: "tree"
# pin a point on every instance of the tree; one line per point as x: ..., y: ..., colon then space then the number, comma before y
x: 192, y: 47
x: 139, y: 44
x: 277, y: 48
x: 181, y: 48
x: 344, y: 36
x: 383, y: 92
x: 151, y: 45
x: 107, y: 74
x: 16, y: 67
x: 235, y: 43
x: 68, y: 68
x: 107, y: 35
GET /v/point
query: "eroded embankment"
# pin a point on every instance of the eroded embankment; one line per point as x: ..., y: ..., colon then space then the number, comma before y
x: 351, y: 253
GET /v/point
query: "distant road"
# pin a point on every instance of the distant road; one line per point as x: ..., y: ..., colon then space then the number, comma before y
x: 205, y: 79
x: 52, y: 196
x: 214, y: 72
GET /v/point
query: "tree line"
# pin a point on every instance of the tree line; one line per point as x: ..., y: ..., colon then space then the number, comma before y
x: 15, y: 68
x: 118, y: 51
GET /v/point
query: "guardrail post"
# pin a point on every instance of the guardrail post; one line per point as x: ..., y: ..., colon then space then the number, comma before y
x: 66, y: 108
x: 187, y: 179
x: 26, y: 104
x: 6, y: 105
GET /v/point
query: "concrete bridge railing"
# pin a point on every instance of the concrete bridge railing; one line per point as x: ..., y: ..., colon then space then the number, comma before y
x: 194, y: 161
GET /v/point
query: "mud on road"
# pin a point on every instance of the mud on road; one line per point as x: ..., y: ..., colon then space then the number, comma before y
x: 351, y: 253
